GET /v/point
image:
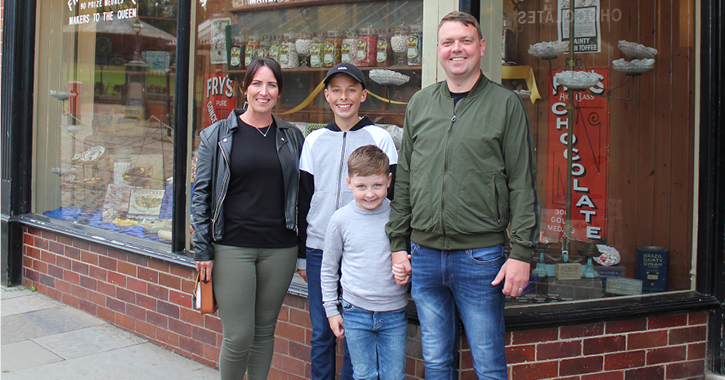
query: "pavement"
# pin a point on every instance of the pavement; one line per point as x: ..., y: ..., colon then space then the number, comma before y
x: 44, y: 339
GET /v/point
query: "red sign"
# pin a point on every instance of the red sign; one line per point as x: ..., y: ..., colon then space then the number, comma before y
x: 219, y: 97
x: 589, y: 161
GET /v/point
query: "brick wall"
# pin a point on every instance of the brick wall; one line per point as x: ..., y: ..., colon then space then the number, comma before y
x: 151, y: 297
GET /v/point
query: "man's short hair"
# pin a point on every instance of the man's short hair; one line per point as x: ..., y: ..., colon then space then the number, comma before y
x: 462, y: 17
x: 368, y: 160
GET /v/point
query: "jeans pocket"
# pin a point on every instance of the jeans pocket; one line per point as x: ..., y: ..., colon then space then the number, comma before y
x: 486, y: 255
x: 414, y: 248
x: 346, y: 305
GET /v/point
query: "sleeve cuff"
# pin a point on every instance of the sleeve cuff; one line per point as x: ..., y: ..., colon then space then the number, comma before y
x: 521, y: 253
x: 398, y: 244
x: 302, y: 264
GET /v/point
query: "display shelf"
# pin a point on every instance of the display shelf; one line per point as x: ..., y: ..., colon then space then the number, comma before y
x: 325, y: 69
x: 293, y: 4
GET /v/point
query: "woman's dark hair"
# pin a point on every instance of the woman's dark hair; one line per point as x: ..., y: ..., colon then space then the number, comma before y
x: 254, y: 67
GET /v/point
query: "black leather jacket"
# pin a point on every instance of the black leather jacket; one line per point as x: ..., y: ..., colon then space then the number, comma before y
x: 212, y: 179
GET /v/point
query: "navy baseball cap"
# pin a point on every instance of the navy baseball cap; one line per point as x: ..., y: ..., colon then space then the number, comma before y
x: 346, y: 68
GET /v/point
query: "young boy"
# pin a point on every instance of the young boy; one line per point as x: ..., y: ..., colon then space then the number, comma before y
x: 373, y: 319
x: 323, y: 190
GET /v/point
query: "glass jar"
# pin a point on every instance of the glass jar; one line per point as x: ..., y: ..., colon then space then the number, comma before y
x: 348, y: 49
x: 236, y: 54
x: 508, y: 48
x: 288, y: 57
x: 275, y: 45
x: 263, y: 49
x: 415, y: 40
x: 399, y: 44
x: 332, y: 48
x: 318, y: 44
x: 384, y: 55
x: 367, y: 47
x: 303, y: 45
x: 251, y: 49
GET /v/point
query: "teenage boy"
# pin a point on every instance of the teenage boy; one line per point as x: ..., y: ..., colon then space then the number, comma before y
x: 466, y: 175
x: 323, y: 190
x: 373, y: 319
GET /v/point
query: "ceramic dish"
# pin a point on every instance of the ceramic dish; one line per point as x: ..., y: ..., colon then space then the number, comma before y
x: 548, y: 50
x: 635, y: 66
x: 577, y: 80
x: 635, y: 50
x: 388, y: 77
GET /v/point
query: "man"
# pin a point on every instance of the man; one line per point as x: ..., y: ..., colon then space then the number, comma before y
x: 465, y: 172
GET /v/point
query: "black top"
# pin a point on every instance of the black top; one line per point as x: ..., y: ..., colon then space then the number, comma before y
x: 254, y: 204
x: 458, y: 96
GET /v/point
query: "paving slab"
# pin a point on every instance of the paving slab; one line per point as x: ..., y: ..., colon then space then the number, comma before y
x: 25, y: 354
x: 19, y: 291
x: 16, y: 328
x: 88, y: 341
x: 27, y: 302
x: 140, y: 362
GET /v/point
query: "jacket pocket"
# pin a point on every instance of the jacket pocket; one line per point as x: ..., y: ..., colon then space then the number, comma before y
x: 421, y: 200
x: 478, y: 204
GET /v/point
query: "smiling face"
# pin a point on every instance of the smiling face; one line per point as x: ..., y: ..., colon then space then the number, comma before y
x: 369, y: 191
x: 345, y: 95
x: 460, y: 50
x: 262, y: 91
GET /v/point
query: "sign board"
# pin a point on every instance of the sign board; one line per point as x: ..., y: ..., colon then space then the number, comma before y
x: 587, y: 34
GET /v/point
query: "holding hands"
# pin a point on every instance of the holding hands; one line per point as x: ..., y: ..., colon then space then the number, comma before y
x: 401, y: 267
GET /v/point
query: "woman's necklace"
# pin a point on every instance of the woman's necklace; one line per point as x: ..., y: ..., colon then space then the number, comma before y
x: 264, y: 134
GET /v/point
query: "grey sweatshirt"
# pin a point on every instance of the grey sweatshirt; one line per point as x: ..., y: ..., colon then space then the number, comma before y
x: 356, y: 239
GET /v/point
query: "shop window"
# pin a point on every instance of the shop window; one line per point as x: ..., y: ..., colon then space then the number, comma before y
x: 633, y: 148
x: 104, y: 127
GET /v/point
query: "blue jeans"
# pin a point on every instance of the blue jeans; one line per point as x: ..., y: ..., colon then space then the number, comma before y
x: 449, y: 284
x: 322, y: 345
x: 377, y: 341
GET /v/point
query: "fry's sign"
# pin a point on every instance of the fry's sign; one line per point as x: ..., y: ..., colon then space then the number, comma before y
x: 590, y: 163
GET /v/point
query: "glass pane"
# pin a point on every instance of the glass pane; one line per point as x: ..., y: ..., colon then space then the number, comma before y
x: 631, y: 175
x: 307, y: 38
x: 105, y: 103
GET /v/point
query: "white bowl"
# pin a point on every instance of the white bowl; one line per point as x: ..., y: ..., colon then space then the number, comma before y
x: 388, y: 77
x: 548, y: 50
x: 635, y: 50
x: 635, y: 66
x: 577, y: 80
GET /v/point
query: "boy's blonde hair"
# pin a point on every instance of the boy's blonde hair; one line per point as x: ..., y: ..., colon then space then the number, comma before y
x: 368, y: 160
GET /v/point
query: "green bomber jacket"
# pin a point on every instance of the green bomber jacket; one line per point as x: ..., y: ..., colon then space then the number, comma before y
x: 465, y: 173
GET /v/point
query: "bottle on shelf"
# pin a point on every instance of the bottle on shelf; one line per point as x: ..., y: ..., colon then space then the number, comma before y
x: 384, y: 55
x: 508, y: 48
x: 367, y: 47
x: 348, y: 49
x: 415, y: 39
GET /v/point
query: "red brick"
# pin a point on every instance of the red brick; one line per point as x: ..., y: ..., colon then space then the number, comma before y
x: 534, y: 336
x: 125, y: 321
x: 665, y: 321
x: 135, y: 285
x: 115, y: 305
x: 157, y: 319
x: 88, y: 307
x: 180, y: 327
x: 212, y: 353
x: 89, y: 257
x: 520, y: 354
x: 89, y: 283
x: 108, y: 263
x: 65, y: 240
x: 622, y: 360
x: 32, y: 252
x: 73, y: 253
x: 283, y: 315
x: 28, y: 240
x: 99, y: 249
x: 52, y: 293
x: 81, y: 244
x: 168, y: 309
x: 666, y: 354
x: 274, y: 374
x: 158, y: 265
x: 55, y: 271
x: 158, y: 292
x: 465, y: 359
x: 133, y: 258
x: 614, y: 375
x: 98, y: 273
x: 41, y: 243
x: 203, y: 335
x: 470, y: 375
x: 291, y: 332
x: 63, y: 262
x: 79, y: 267
x: 617, y: 327
x: 192, y: 345
x: 56, y: 247
x: 70, y: 300
x: 581, y: 365
x: 149, y: 275
x: 295, y: 301
x: 167, y: 337
x: 299, y: 317
x: 192, y: 316
x: 117, y: 279
x: 48, y: 257
x: 179, y: 298
x: 136, y: 312
x: 170, y: 281
x: 187, y: 286
x: 146, y: 329
x: 694, y: 350
x: 107, y: 289
x: 213, y: 323
x: 103, y: 313
x: 127, y: 268
x: 79, y: 291
x: 146, y: 301
x: 40, y: 266
x: 685, y: 369
x: 62, y: 286
x: 125, y: 295
x: 183, y: 272
x: 646, y: 373
x: 541, y: 370
x: 289, y: 364
x: 688, y: 335
x: 697, y: 318
x: 546, y: 351
x: 281, y: 346
x: 97, y: 298
x: 604, y: 344
x: 646, y: 340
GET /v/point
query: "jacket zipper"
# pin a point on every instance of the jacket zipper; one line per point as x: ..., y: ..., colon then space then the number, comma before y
x: 225, y: 182
x: 495, y: 200
x: 342, y: 163
x: 445, y: 175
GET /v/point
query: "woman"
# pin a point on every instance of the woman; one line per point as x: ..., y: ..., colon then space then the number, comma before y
x: 244, y: 211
